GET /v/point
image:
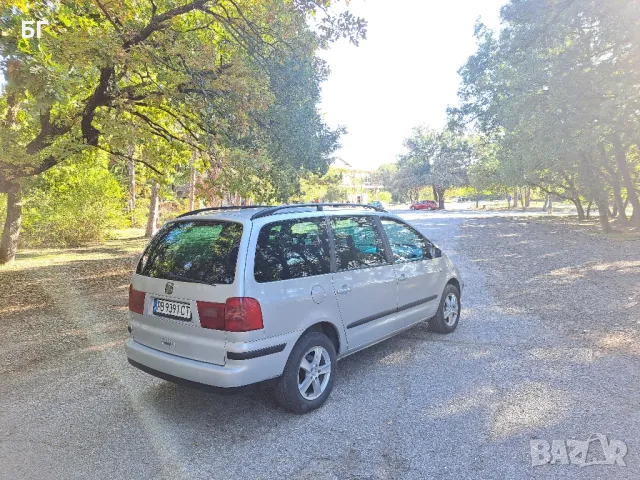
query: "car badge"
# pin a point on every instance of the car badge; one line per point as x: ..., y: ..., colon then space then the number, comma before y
x: 168, y: 288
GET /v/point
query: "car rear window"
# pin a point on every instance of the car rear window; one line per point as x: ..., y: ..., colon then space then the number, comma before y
x: 199, y: 252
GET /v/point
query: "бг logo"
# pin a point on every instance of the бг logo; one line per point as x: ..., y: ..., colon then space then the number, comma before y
x: 168, y: 288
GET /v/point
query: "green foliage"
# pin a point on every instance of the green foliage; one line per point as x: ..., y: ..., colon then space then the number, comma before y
x: 414, y: 166
x: 436, y: 159
x: 157, y: 80
x: 336, y: 194
x: 171, y: 75
x: 387, y: 175
x: 322, y: 187
x: 556, y: 92
x: 72, y: 205
x: 138, y: 218
x: 384, y: 197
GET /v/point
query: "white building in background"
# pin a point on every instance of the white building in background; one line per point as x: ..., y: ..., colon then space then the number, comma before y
x: 357, y: 184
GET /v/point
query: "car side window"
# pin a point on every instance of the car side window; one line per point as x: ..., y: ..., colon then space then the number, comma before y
x: 358, y: 243
x: 292, y: 249
x: 407, y: 245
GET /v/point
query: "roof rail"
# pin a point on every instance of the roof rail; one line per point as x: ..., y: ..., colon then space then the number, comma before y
x: 213, y: 209
x: 320, y: 206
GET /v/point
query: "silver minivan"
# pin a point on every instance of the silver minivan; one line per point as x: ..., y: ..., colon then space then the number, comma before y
x: 227, y: 298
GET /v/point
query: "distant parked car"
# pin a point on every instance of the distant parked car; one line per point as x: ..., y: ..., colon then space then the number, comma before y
x: 377, y: 204
x: 424, y: 205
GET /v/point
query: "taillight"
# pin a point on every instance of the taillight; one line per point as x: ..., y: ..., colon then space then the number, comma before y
x: 136, y: 300
x: 242, y: 314
x: 238, y: 314
x: 211, y: 315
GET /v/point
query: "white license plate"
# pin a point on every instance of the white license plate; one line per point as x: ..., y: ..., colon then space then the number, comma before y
x: 166, y: 308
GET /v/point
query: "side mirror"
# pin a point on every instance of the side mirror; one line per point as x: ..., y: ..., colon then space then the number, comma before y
x: 435, y: 252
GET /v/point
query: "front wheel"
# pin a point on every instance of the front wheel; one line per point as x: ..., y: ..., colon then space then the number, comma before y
x: 448, y: 315
x: 308, y: 377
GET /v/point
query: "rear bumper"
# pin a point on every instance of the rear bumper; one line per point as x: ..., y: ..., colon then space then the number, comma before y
x: 202, y: 386
x: 235, y: 373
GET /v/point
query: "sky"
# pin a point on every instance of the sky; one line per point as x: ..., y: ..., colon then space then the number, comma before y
x: 403, y: 75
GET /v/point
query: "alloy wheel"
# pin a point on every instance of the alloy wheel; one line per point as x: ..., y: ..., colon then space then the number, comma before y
x: 314, y: 373
x: 451, y: 309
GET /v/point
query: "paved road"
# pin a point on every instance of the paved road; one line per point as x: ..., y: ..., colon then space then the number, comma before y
x: 420, y: 405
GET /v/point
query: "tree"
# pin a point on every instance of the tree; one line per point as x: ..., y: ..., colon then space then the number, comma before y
x: 154, y: 205
x: 322, y: 187
x: 387, y: 175
x: 437, y: 159
x: 194, y: 75
x: 414, y: 166
x: 453, y: 156
x: 558, y: 91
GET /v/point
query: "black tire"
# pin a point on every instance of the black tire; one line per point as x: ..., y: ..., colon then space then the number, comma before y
x: 439, y: 323
x: 286, y: 390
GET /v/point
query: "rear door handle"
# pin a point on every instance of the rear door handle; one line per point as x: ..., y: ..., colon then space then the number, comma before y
x: 343, y: 290
x: 403, y: 278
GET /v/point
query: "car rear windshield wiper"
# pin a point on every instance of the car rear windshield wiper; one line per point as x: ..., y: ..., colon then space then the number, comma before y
x: 180, y: 278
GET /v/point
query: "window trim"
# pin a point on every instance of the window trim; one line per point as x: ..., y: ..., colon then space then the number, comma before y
x: 377, y: 226
x: 397, y: 220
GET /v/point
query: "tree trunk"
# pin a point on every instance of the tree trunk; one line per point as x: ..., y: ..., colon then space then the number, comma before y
x: 131, y: 171
x: 623, y: 168
x: 192, y: 182
x: 522, y: 199
x: 11, y: 231
x: 515, y: 198
x: 576, y: 201
x: 546, y: 202
x: 589, y: 208
x: 152, y: 222
x: 595, y: 184
x: 527, y: 197
x: 603, y: 214
x: 618, y: 206
x: 440, y: 191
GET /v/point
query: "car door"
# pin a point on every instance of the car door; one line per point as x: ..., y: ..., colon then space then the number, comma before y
x: 364, y: 279
x: 291, y: 275
x: 417, y: 264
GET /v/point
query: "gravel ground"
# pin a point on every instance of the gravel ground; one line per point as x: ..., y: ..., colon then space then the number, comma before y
x: 547, y: 348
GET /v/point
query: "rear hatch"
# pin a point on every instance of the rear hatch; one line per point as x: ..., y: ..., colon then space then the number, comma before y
x: 181, y: 284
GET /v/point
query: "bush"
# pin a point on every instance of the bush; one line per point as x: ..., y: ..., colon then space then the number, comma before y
x: 72, y: 205
x: 138, y: 218
x: 384, y: 196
